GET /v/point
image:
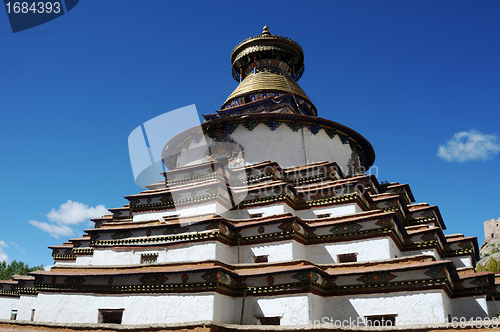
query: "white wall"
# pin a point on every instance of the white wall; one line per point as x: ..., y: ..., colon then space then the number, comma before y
x: 190, y: 252
x: 339, y: 210
x: 161, y: 308
x: 426, y: 307
x: 430, y: 252
x: 423, y: 307
x: 299, y: 251
x: 262, y: 143
x: 227, y: 309
x: 139, y: 309
x: 176, y: 253
x: 269, y: 210
x: 335, y: 211
x: 82, y: 260
x: 226, y: 254
x: 367, y: 250
x: 394, y: 250
x: 23, y: 305
x: 183, y: 212
x: 276, y: 251
x: 290, y: 308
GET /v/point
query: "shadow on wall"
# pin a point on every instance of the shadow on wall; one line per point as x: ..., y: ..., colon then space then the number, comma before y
x: 325, y: 257
x: 468, y: 308
x: 342, y: 310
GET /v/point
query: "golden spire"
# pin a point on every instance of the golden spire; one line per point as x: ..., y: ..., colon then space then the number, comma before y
x: 265, y: 31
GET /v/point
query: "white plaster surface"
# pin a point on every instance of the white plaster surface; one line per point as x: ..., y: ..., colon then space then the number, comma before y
x: 269, y: 210
x: 394, y: 251
x: 367, y: 250
x: 299, y: 251
x: 430, y: 252
x: 176, y: 253
x: 262, y: 143
x: 191, y: 252
x: 226, y: 254
x: 23, y: 305
x: 139, y: 309
x: 84, y: 260
x: 276, y: 251
x: 289, y: 308
x: 183, y: 212
x: 227, y: 309
x: 424, y: 307
x: 334, y: 211
x: 427, y: 307
x: 339, y: 210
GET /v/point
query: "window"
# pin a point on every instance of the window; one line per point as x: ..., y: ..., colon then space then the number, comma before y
x: 380, y: 320
x: 13, y: 314
x: 256, y: 215
x: 324, y: 215
x: 32, y: 314
x: 111, y: 316
x: 149, y: 258
x: 346, y: 258
x: 261, y: 259
x: 269, y: 320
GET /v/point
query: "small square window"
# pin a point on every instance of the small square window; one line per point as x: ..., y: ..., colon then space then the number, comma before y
x: 111, y: 316
x: 347, y: 258
x: 149, y: 258
x: 381, y: 320
x: 261, y: 259
x: 269, y: 320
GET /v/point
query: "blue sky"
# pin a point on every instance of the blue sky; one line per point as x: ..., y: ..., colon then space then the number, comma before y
x: 410, y: 76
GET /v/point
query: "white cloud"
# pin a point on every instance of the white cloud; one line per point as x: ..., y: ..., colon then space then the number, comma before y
x: 470, y: 145
x: 69, y: 214
x: 53, y: 229
x: 17, y: 246
x: 3, y: 255
x: 73, y: 213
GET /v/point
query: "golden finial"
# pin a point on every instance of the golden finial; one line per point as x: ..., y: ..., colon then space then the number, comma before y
x: 265, y: 31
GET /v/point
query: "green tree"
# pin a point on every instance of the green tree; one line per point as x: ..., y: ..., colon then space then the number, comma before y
x: 15, y: 267
x: 480, y: 268
x: 493, y: 265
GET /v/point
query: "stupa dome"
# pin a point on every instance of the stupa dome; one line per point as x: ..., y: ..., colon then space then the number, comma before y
x: 268, y: 65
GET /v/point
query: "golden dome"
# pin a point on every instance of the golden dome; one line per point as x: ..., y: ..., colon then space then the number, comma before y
x: 267, y: 81
x: 264, y: 46
x: 267, y: 64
